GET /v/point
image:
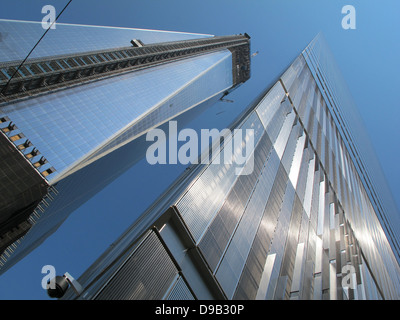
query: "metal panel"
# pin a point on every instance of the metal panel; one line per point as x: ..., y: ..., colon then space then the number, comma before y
x: 146, y: 274
x: 216, y: 238
x: 180, y: 291
x: 250, y: 238
x: 201, y: 196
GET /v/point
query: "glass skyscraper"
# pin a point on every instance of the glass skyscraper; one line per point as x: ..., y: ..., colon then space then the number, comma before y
x: 75, y: 106
x: 313, y: 220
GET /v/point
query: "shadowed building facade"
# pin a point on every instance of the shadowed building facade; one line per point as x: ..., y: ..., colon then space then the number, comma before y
x: 312, y: 220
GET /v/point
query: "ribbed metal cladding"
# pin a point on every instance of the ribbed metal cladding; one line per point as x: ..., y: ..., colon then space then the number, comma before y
x: 146, y: 274
x: 201, y: 196
x: 251, y: 275
x: 180, y: 291
x: 219, y: 233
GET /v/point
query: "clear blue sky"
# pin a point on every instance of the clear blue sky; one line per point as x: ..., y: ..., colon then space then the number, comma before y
x: 368, y: 58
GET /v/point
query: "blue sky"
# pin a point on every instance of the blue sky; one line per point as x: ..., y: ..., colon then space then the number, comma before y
x: 367, y: 56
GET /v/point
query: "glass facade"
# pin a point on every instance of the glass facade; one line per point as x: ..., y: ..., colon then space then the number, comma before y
x: 82, y: 131
x: 19, y: 37
x: 301, y: 225
x: 75, y: 122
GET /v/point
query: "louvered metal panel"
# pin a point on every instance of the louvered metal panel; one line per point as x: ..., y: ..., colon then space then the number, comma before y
x: 146, y: 274
x: 180, y: 291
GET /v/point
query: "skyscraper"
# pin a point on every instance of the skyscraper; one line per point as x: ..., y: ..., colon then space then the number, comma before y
x: 75, y: 105
x: 312, y: 220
